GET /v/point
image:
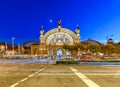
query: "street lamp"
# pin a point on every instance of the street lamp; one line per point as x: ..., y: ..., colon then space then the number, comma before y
x: 13, y: 45
x: 6, y: 47
x: 18, y: 48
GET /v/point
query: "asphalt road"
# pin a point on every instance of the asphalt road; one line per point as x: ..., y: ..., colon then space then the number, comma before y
x: 60, y: 76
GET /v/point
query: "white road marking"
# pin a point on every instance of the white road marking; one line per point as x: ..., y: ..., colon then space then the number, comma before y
x: 42, y: 69
x: 101, y: 74
x: 112, y: 74
x: 31, y: 75
x: 98, y: 74
x: 36, y: 72
x: 56, y: 74
x: 89, y: 82
x: 117, y: 74
x: 14, y: 85
x: 23, y: 79
x: 27, y: 77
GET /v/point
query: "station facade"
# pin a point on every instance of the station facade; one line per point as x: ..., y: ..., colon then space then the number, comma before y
x: 52, y: 41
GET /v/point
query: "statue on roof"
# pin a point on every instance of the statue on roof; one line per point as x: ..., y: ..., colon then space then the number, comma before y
x: 59, y: 22
x: 42, y: 30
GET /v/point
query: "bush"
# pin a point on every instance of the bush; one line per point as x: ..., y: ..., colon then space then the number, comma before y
x: 105, y: 61
x: 67, y: 62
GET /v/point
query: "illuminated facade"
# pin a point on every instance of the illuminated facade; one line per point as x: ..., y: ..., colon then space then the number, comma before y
x: 52, y: 41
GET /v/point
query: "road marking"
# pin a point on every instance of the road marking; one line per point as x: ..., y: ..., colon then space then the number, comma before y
x: 56, y: 74
x: 27, y: 77
x: 89, y: 82
x: 101, y: 74
x: 117, y: 74
x: 98, y: 74
x: 31, y: 75
x: 23, y: 79
x: 14, y: 85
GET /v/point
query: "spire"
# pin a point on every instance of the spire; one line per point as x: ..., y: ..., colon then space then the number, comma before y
x: 77, y: 29
x: 77, y: 34
x: 41, y: 28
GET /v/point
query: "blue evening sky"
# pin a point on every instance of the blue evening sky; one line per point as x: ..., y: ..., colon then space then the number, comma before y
x: 22, y: 19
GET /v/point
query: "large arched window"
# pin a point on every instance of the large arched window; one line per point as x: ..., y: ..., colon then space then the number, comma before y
x: 59, y: 39
x: 56, y: 37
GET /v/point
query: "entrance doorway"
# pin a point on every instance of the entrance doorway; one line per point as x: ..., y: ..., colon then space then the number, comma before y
x: 59, y: 52
x: 51, y: 52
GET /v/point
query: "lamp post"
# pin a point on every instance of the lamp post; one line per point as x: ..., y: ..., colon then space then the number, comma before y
x: 22, y: 49
x: 6, y: 47
x: 18, y: 48
x: 13, y: 45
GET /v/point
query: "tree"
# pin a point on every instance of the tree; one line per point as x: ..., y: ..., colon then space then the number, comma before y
x: 74, y: 48
x: 93, y: 48
x: 79, y: 46
x: 117, y: 49
x: 108, y: 49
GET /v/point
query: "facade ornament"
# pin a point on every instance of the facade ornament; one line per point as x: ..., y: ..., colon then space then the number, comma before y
x: 77, y: 34
x: 41, y: 34
x: 41, y: 31
x: 77, y: 30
